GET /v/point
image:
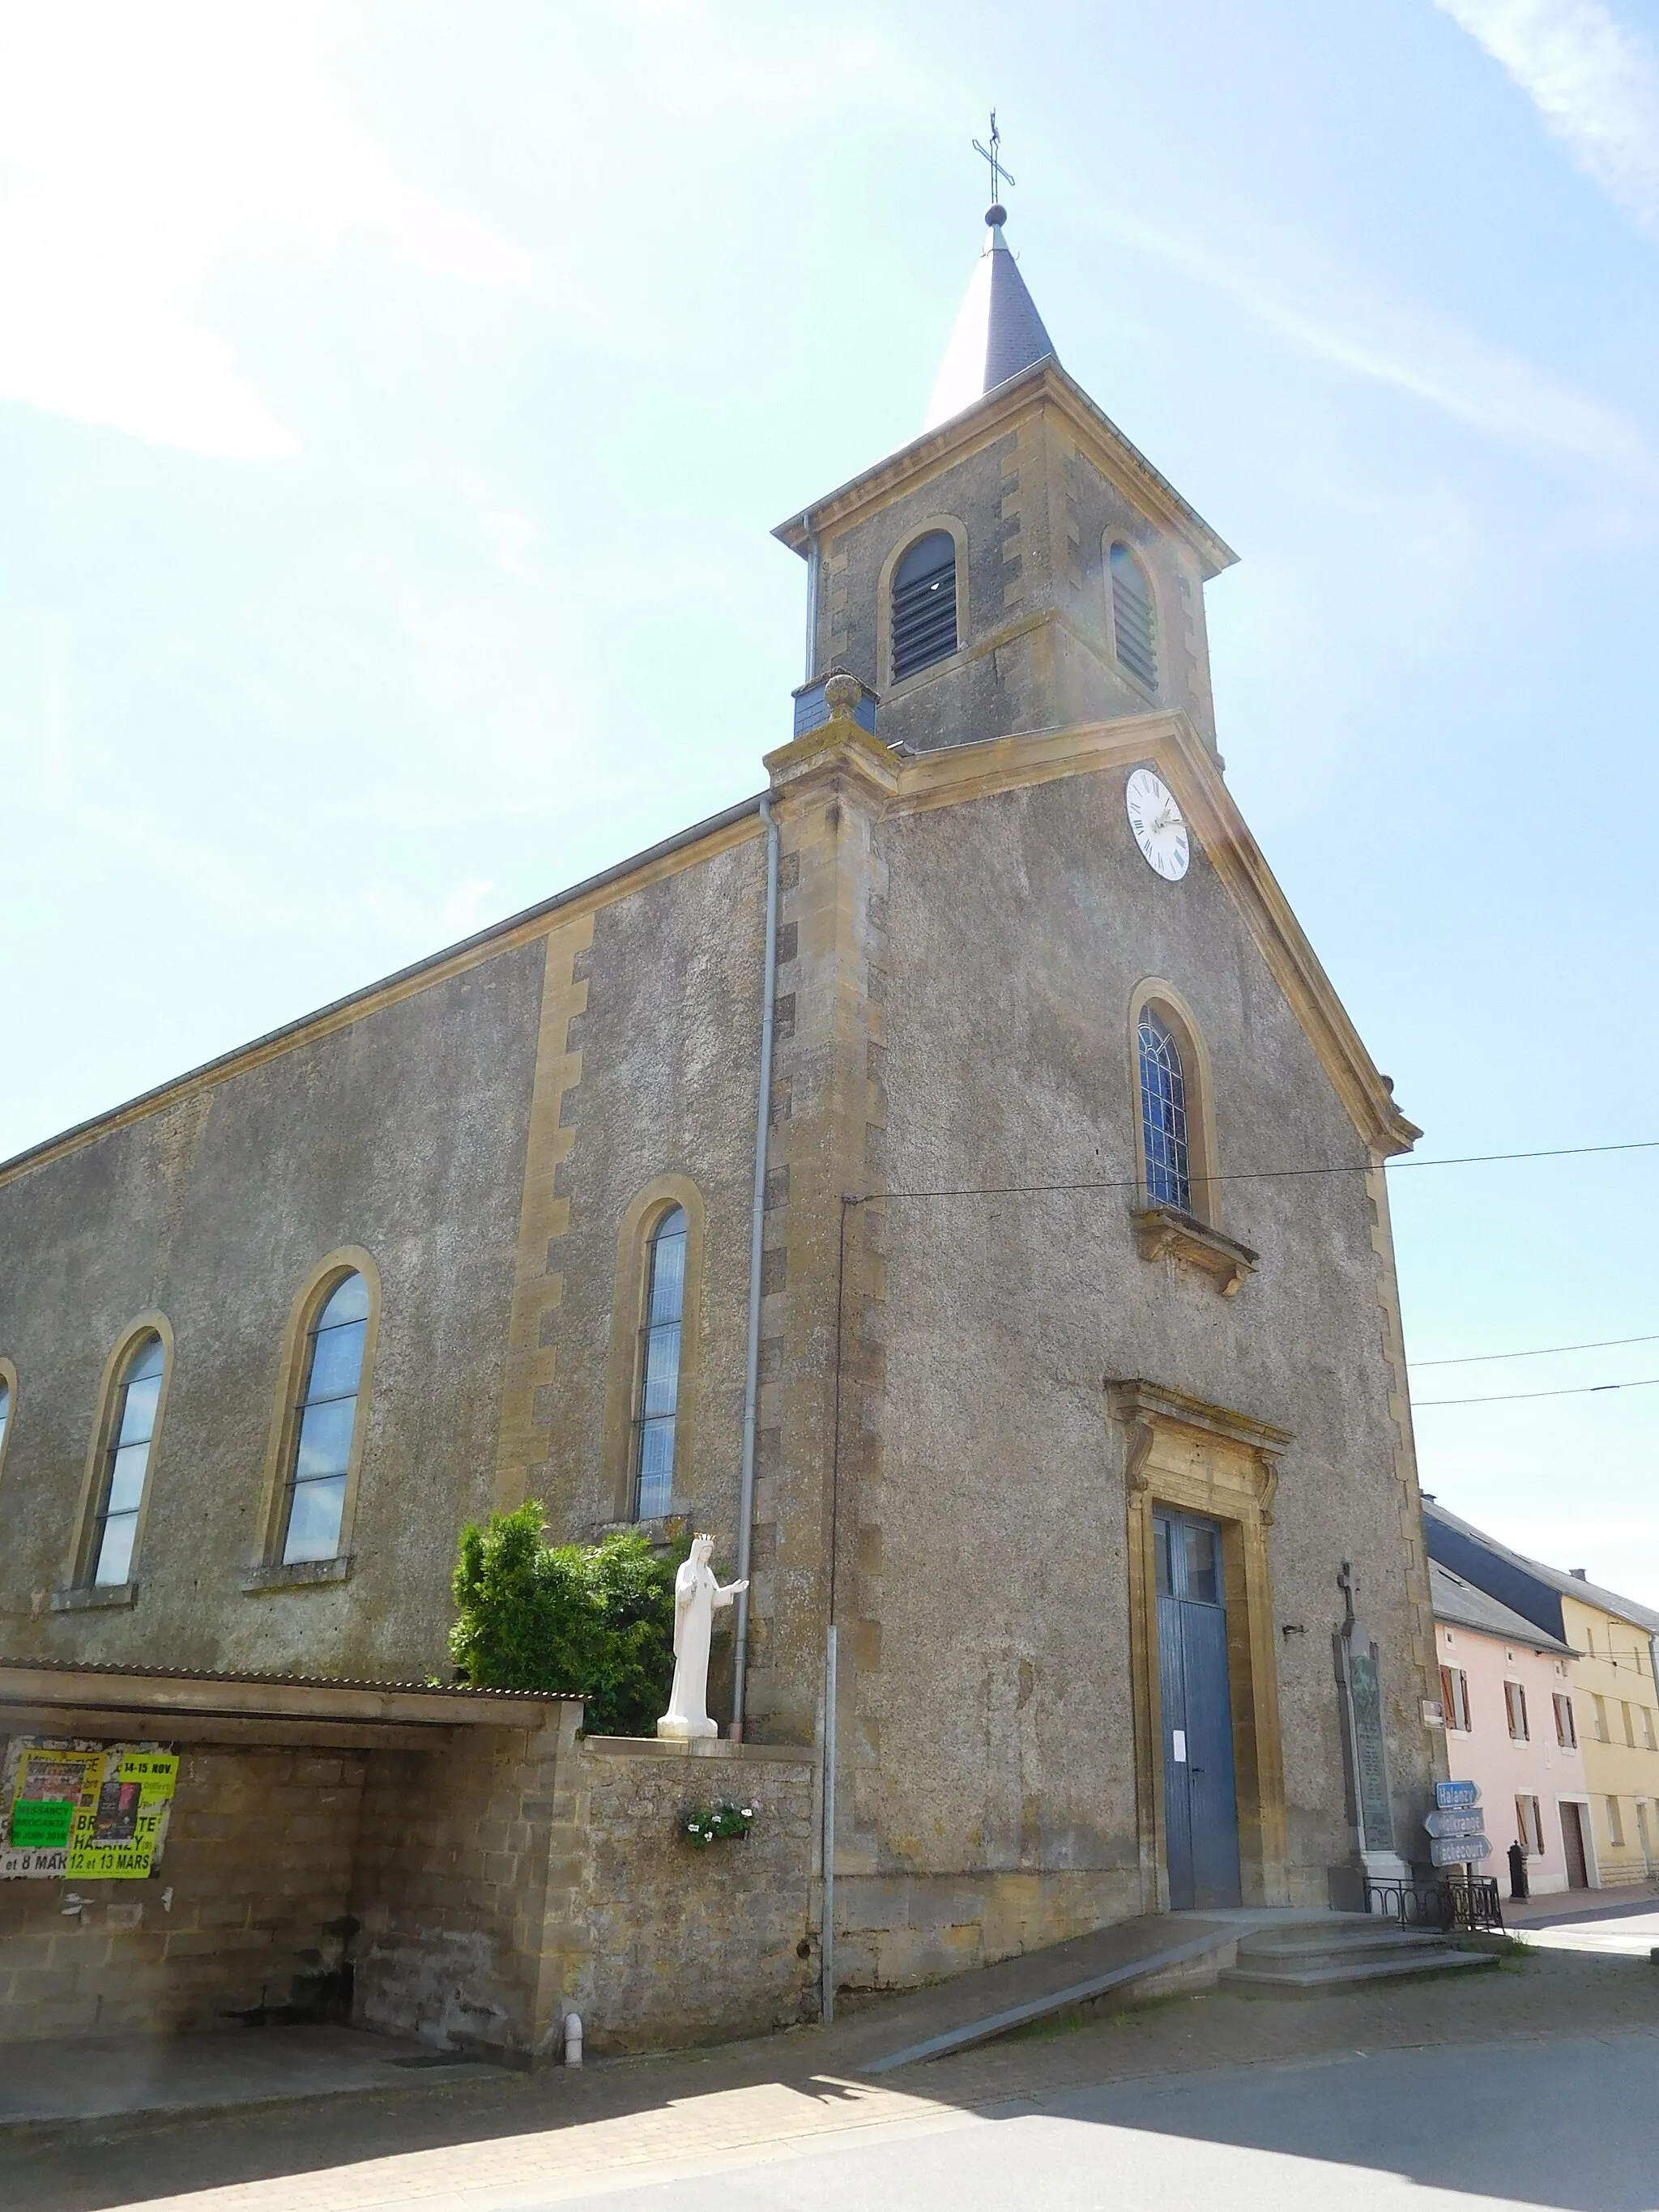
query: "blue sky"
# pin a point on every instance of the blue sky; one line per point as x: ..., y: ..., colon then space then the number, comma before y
x: 395, y: 400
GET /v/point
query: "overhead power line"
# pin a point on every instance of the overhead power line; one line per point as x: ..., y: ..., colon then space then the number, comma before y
x: 1252, y: 1174
x: 1538, y: 1352
x: 1512, y: 1397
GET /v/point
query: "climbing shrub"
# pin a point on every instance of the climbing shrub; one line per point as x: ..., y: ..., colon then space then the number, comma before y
x: 590, y: 1619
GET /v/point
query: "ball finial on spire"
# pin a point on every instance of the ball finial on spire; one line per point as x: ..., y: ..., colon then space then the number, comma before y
x: 996, y: 216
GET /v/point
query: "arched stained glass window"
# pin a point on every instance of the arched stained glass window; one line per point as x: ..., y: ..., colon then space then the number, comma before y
x: 1163, y: 1114
x: 925, y: 605
x: 1132, y: 626
x: 326, y: 1426
x: 660, y: 1367
x: 126, y: 1461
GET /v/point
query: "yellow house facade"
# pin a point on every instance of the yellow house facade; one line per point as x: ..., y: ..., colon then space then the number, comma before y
x: 1616, y: 1705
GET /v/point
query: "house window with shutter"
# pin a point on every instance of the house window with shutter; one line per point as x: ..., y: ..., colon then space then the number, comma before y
x: 1529, y: 1827
x: 1455, y: 1697
x: 1515, y: 1701
x: 1566, y: 1728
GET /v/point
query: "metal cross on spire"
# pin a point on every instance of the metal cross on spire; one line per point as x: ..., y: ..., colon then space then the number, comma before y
x: 993, y: 153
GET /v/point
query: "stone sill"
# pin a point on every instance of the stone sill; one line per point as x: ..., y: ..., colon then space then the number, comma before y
x: 300, y: 1574
x: 707, y: 1746
x: 1165, y: 1232
x: 89, y: 1596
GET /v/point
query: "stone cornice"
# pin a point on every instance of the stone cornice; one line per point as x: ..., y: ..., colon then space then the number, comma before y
x: 1134, y: 1399
x: 1045, y: 384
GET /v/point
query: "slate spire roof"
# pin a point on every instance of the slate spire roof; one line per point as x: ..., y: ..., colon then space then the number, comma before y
x: 998, y: 333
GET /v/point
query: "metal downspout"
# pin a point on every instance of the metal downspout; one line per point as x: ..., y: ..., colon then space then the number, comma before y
x: 751, y: 1367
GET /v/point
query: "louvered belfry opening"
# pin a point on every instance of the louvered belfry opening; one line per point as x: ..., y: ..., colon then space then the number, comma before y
x: 925, y: 605
x: 1132, y: 617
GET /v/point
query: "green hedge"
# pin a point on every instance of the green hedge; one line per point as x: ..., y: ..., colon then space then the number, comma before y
x: 590, y: 1619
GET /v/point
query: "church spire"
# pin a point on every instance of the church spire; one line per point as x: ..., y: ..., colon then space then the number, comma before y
x: 998, y: 331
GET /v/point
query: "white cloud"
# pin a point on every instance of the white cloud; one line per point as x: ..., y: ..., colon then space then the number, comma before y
x: 1376, y: 333
x: 1595, y: 84
x: 145, y: 148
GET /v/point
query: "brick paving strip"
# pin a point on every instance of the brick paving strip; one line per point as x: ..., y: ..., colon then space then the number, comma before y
x: 349, y: 2153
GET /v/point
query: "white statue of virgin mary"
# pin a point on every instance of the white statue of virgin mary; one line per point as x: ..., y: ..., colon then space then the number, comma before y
x: 696, y: 1594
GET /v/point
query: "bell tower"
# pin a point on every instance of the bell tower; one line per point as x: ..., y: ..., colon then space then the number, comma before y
x: 1017, y: 566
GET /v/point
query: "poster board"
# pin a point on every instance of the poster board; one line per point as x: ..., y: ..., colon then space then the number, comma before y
x: 84, y: 1811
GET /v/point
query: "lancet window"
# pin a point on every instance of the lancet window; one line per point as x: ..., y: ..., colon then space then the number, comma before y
x: 126, y: 1461
x: 657, y: 1404
x: 327, y: 1424
x: 1133, y: 625
x: 1163, y: 1114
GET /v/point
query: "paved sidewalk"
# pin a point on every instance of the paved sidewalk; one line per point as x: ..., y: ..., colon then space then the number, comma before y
x: 538, y: 2138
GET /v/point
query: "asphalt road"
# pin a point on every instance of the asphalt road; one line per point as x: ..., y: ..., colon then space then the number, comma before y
x: 1571, y: 2123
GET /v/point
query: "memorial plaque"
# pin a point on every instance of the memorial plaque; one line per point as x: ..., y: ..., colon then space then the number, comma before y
x: 1370, y: 1758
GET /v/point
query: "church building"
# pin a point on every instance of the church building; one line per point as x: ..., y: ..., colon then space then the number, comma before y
x: 948, y: 1177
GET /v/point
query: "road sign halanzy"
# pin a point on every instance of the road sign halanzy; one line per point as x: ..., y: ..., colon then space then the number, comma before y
x: 1456, y: 1824
x: 1456, y: 1796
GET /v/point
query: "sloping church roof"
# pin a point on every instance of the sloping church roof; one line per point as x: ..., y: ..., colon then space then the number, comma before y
x: 999, y: 332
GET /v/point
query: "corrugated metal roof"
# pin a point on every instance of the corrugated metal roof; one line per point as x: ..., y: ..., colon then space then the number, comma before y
x: 1461, y: 1605
x: 290, y: 1681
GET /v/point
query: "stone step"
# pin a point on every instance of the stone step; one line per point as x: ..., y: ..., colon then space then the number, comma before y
x: 1310, y: 1970
x: 1304, y: 1946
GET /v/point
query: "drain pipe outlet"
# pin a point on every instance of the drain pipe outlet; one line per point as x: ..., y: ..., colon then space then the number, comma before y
x: 751, y: 1370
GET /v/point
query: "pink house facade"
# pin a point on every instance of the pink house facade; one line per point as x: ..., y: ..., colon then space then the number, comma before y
x: 1510, y: 1728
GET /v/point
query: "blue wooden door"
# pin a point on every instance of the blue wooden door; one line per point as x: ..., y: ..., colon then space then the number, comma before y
x: 1200, y: 1805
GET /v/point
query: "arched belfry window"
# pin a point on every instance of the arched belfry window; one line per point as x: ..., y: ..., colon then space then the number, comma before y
x: 1163, y: 1114
x: 1133, y: 626
x: 924, y: 611
x: 320, y: 1460
x: 126, y: 1462
x: 658, y: 1402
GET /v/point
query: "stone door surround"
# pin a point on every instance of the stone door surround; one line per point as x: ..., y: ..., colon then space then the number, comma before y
x: 1181, y: 1452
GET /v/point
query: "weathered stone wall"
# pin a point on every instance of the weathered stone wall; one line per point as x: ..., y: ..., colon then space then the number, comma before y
x: 987, y: 1674
x: 245, y: 1913
x: 469, y: 1889
x: 401, y: 1132
x: 689, y: 1945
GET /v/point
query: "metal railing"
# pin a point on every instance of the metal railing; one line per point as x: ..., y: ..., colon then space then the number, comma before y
x: 1449, y: 1907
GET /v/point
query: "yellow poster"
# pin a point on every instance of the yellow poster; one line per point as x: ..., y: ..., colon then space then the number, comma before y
x: 95, y: 1811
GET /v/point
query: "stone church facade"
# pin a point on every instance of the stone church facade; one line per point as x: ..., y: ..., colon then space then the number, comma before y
x: 961, y: 1357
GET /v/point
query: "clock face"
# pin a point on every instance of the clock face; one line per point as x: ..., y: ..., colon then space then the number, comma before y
x: 1155, y: 820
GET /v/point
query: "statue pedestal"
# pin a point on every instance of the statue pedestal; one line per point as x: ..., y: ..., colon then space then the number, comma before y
x: 673, y: 1729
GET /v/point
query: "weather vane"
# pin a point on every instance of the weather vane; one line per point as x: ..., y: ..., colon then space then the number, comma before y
x: 993, y: 153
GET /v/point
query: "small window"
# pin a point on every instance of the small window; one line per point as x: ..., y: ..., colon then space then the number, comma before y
x: 925, y: 605
x: 1600, y: 1706
x: 1629, y: 1723
x: 1514, y: 1700
x: 1132, y: 626
x: 1455, y: 1697
x: 1649, y: 1742
x: 327, y: 1425
x: 660, y: 1368
x: 1566, y: 1728
x: 1529, y: 1827
x: 1164, y: 1114
x: 1615, y: 1825
x: 126, y: 1462
x: 5, y: 1411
